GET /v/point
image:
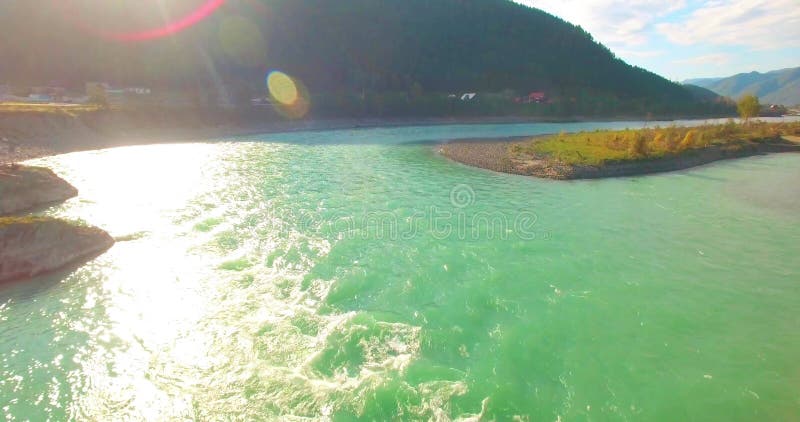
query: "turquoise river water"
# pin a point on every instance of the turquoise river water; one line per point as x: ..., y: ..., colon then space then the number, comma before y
x: 358, y: 275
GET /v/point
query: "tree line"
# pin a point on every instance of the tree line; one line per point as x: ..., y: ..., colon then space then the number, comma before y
x: 368, y: 57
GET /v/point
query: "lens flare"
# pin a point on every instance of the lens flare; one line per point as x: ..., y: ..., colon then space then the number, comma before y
x: 289, y: 96
x: 282, y: 88
x: 191, y: 19
x: 169, y: 28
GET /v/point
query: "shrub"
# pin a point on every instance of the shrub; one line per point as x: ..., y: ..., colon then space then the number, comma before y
x: 748, y: 107
x: 638, y: 146
x: 688, y: 141
x: 615, y: 143
x: 97, y: 94
x: 601, y: 146
x: 672, y: 142
x: 660, y: 142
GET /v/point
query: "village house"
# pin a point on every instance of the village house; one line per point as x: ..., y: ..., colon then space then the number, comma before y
x: 115, y: 96
x: 261, y: 101
x: 537, y: 97
x: 137, y: 90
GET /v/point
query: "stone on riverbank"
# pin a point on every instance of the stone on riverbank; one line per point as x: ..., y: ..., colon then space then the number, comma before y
x: 25, y: 187
x: 33, y: 246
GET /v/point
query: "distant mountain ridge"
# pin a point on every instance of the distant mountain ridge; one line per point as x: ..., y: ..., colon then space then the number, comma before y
x: 775, y: 87
x: 702, y: 94
x: 702, y: 81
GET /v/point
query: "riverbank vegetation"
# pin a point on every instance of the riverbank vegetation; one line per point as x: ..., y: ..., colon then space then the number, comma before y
x: 601, y: 154
x: 69, y: 109
x: 748, y: 107
x: 600, y: 147
x: 563, y: 104
x: 32, y: 245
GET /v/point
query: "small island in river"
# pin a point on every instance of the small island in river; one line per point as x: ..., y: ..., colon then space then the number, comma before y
x: 600, y: 154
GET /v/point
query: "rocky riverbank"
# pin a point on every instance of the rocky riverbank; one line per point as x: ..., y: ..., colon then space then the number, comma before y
x: 33, y: 246
x: 28, y: 135
x: 23, y: 188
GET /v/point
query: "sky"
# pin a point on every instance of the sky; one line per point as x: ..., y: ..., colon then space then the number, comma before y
x: 683, y: 39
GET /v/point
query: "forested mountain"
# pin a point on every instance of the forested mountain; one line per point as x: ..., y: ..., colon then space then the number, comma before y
x: 776, y: 87
x: 701, y: 82
x: 703, y: 94
x: 337, y: 47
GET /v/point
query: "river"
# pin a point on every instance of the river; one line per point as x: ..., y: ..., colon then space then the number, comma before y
x: 358, y: 275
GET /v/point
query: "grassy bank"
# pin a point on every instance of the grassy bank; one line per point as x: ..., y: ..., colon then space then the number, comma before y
x: 600, y: 147
x: 70, y: 109
x: 599, y: 154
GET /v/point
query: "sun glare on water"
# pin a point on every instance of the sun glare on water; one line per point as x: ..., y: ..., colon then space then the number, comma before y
x: 193, y: 309
x: 140, y: 182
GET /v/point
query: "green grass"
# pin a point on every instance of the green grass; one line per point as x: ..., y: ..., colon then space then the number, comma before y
x: 8, y: 221
x: 38, y: 220
x: 236, y: 265
x: 599, y: 147
x: 33, y: 108
x: 208, y: 224
x: 20, y: 170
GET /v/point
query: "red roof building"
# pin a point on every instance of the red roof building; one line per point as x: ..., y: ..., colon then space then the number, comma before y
x: 533, y: 97
x: 537, y: 97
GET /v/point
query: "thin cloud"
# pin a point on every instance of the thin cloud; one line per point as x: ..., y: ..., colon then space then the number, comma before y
x: 617, y: 23
x: 686, y: 38
x: 760, y: 24
x: 718, y: 59
x: 639, y: 54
